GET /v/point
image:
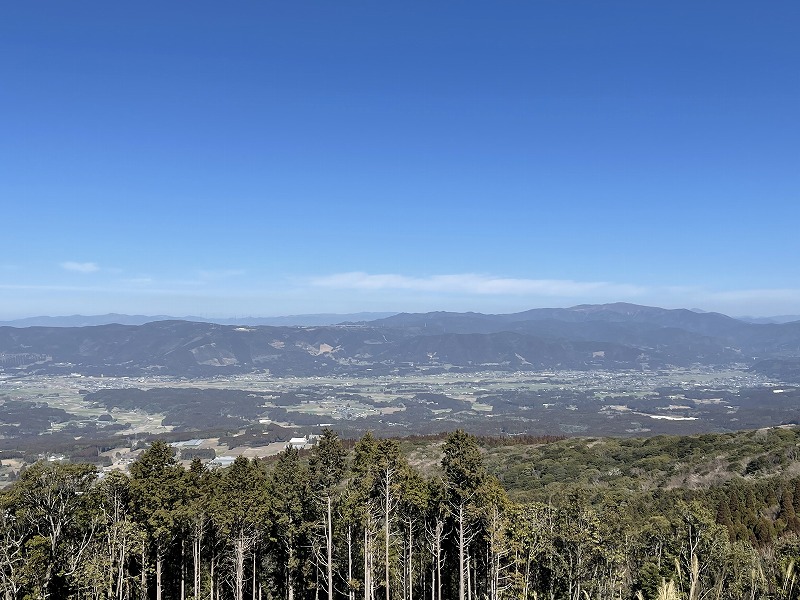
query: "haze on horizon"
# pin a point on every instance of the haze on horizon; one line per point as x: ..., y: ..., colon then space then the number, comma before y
x: 284, y: 159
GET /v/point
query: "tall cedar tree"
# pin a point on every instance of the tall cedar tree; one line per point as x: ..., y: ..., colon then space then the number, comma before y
x: 327, y: 468
x: 289, y: 519
x: 157, y: 496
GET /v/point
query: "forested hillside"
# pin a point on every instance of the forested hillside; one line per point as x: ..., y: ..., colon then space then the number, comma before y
x: 366, y: 524
x: 606, y: 336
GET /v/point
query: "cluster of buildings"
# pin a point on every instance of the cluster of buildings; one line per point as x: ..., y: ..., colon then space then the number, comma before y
x: 220, y: 462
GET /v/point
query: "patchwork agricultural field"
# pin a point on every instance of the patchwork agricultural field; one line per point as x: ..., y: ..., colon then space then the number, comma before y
x: 73, y: 413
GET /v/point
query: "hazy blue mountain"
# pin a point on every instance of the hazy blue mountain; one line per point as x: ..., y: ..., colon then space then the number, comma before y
x: 775, y: 319
x: 611, y: 336
x: 301, y: 320
x: 83, y: 320
x: 121, y: 319
x: 620, y: 312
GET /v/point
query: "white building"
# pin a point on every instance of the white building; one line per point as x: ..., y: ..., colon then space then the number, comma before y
x: 221, y: 462
x: 298, y: 442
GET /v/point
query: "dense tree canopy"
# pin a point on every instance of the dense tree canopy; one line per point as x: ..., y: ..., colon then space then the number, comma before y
x: 366, y: 525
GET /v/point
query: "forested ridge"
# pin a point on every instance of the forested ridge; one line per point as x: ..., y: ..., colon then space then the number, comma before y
x: 375, y: 522
x: 609, y: 336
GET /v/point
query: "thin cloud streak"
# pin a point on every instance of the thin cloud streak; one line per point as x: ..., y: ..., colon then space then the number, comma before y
x: 80, y: 267
x: 220, y: 274
x: 139, y: 288
x: 757, y: 295
x: 354, y: 291
x: 138, y: 281
x: 540, y: 292
x: 472, y: 283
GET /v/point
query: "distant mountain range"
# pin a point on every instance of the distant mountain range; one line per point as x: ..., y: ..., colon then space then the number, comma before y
x: 609, y: 336
x: 576, y: 313
x: 775, y: 319
x: 289, y: 320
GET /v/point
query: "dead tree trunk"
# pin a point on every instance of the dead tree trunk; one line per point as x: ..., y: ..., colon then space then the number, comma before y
x: 330, y: 549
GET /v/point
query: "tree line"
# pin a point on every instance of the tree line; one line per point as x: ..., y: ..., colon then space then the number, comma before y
x: 364, y: 524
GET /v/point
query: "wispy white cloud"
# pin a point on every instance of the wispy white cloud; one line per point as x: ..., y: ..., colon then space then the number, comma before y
x: 80, y: 267
x: 44, y: 287
x: 204, y: 278
x: 138, y: 281
x: 472, y: 283
x: 760, y: 302
x: 731, y: 298
x: 213, y: 274
x: 756, y: 295
x: 353, y: 291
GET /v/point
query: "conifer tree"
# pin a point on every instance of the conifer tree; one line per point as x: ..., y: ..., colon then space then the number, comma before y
x: 327, y: 468
x: 197, y: 517
x: 288, y: 517
x: 240, y: 509
x: 390, y: 470
x: 414, y: 500
x: 464, y: 474
x: 157, y: 496
x: 436, y: 513
x: 362, y: 510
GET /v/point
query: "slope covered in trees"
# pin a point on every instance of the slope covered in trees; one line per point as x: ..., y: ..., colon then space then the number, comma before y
x: 365, y: 524
x: 607, y: 336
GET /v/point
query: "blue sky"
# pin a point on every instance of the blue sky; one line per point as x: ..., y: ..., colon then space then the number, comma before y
x: 268, y: 158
